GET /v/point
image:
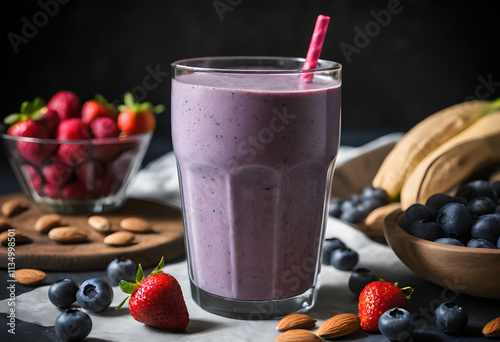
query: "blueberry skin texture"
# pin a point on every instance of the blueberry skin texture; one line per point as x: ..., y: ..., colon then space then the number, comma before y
x: 378, y: 195
x: 426, y: 230
x: 482, y: 205
x: 121, y: 269
x: 95, y: 295
x: 328, y: 247
x: 436, y: 201
x: 450, y: 241
x: 487, y: 227
x: 344, y: 259
x: 73, y: 325
x: 498, y: 243
x: 455, y: 219
x: 335, y: 209
x: 481, y: 243
x: 62, y: 293
x: 477, y: 188
x: 451, y: 318
x: 359, y: 279
x: 395, y: 324
x: 416, y: 212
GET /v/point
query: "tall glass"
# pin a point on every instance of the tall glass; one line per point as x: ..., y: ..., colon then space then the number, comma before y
x: 256, y: 145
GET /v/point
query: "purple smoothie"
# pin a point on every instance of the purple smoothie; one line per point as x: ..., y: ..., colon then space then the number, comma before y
x: 255, y: 156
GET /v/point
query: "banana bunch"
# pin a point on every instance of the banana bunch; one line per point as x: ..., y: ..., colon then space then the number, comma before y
x: 441, y: 151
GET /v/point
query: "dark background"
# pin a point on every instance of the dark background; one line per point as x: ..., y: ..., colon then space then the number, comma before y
x: 425, y: 56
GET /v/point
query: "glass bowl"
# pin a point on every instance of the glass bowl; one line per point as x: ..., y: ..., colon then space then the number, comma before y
x: 76, y: 176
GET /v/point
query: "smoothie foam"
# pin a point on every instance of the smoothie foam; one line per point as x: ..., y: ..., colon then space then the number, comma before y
x: 254, y: 155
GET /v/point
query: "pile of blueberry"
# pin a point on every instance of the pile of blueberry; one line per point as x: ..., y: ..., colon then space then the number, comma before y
x: 469, y: 218
x: 338, y: 255
x: 94, y: 295
x: 450, y: 318
x: 356, y: 207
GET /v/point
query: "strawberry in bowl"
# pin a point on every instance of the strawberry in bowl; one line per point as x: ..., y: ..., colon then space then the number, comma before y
x: 65, y: 155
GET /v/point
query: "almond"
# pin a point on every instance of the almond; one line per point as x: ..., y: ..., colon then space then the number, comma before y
x: 67, y: 234
x: 297, y: 335
x: 339, y: 325
x: 296, y: 321
x: 29, y: 276
x: 135, y: 224
x: 4, y: 224
x: 99, y: 223
x: 492, y: 328
x: 13, y: 236
x: 47, y: 222
x: 13, y: 207
x: 119, y: 239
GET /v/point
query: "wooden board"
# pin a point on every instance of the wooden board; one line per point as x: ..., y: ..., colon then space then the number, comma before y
x: 167, y: 240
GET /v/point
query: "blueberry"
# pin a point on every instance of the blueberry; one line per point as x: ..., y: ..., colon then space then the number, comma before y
x: 480, y: 243
x: 451, y: 318
x: 497, y: 210
x: 335, y: 208
x: 95, y: 295
x: 498, y: 243
x: 121, y: 268
x: 395, y: 324
x: 436, y: 201
x: 482, y: 205
x: 415, y: 212
x: 344, y: 259
x: 62, y: 293
x: 372, y: 203
x: 477, y: 188
x: 455, y: 220
x: 428, y: 230
x: 329, y: 246
x: 73, y: 325
x: 449, y: 241
x: 355, y: 214
x: 486, y: 227
x: 496, y: 187
x: 359, y: 279
x: 378, y: 194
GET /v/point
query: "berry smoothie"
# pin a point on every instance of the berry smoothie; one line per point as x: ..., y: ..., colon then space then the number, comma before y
x: 255, y: 158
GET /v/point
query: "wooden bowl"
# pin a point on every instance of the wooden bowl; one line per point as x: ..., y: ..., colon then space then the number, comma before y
x: 473, y: 271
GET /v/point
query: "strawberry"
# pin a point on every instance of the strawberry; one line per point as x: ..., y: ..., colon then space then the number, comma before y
x: 72, y: 129
x: 96, y: 108
x: 33, y: 152
x: 51, y: 191
x: 156, y: 301
x: 95, y: 176
x: 102, y: 128
x: 137, y: 117
x: 376, y: 298
x: 56, y: 174
x: 75, y: 190
x: 36, y: 110
x: 66, y: 103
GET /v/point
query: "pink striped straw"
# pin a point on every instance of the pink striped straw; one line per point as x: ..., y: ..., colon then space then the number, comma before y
x: 315, y: 47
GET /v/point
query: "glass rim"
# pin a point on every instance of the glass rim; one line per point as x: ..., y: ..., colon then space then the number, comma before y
x: 182, y: 65
x: 89, y: 141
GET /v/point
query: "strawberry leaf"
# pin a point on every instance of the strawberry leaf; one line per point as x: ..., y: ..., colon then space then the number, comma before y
x: 158, y: 268
x: 127, y: 287
x: 408, y: 291
x: 139, y: 277
x: 122, y: 303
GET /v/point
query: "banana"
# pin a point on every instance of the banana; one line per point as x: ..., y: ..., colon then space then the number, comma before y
x: 423, y: 138
x: 454, y: 161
